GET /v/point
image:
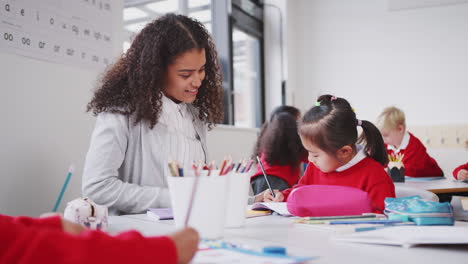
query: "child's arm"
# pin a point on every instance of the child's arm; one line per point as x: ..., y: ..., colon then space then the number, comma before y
x: 461, y: 172
x: 418, y: 163
x: 35, y: 244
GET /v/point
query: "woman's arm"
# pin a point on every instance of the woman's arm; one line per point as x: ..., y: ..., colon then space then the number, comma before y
x: 101, y: 180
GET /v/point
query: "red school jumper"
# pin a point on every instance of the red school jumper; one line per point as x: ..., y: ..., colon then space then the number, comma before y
x: 289, y: 174
x: 459, y: 168
x: 367, y: 175
x: 42, y: 240
x: 417, y: 161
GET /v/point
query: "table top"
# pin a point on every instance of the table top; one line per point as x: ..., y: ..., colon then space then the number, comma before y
x: 446, y: 185
x: 305, y: 240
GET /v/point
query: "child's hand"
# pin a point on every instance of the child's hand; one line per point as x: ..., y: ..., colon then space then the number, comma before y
x: 268, y: 197
x: 259, y: 197
x: 67, y: 226
x: 186, y: 242
x: 462, y: 175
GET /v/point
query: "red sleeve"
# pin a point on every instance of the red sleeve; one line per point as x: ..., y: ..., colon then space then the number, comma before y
x: 47, y: 222
x: 33, y: 244
x: 417, y: 161
x: 378, y: 193
x: 459, y: 168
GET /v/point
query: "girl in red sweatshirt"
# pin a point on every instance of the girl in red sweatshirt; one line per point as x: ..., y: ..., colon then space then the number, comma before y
x: 280, y: 150
x: 328, y: 132
x: 461, y: 172
x: 55, y: 240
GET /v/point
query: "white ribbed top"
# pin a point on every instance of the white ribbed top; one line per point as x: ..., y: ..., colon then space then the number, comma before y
x: 127, y: 165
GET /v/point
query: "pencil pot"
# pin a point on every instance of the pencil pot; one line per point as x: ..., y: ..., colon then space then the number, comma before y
x: 237, y: 198
x: 396, y: 171
x: 207, y: 214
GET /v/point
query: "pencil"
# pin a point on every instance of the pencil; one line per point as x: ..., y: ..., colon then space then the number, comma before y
x: 192, y: 195
x: 266, y: 178
x: 64, y: 187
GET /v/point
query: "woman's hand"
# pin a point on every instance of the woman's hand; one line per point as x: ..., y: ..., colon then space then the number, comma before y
x: 186, y: 242
x: 268, y: 197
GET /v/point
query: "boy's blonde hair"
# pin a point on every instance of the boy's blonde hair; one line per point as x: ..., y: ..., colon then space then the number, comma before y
x: 390, y: 118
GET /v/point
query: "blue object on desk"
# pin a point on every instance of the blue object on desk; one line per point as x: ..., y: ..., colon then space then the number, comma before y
x: 275, y: 250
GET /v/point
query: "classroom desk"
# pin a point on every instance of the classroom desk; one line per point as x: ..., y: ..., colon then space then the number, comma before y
x: 438, y: 186
x: 301, y: 240
x: 445, y: 188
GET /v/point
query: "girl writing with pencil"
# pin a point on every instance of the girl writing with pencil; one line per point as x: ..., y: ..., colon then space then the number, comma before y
x: 337, y: 156
x: 280, y: 150
x: 154, y: 106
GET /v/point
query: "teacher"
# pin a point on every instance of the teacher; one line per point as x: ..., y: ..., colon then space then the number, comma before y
x: 154, y: 105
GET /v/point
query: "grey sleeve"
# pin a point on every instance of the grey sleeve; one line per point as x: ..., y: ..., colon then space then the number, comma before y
x: 101, y: 181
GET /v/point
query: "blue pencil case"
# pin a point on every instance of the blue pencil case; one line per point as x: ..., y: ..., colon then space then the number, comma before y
x: 418, y: 210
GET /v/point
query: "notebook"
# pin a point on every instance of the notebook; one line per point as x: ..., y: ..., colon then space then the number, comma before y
x: 160, y: 214
x: 279, y: 208
x: 408, y: 236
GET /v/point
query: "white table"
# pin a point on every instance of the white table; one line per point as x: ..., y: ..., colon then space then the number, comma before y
x: 437, y: 186
x: 302, y: 240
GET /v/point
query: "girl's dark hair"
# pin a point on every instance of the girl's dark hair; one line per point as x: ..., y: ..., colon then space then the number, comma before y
x: 285, y: 109
x: 332, y: 125
x: 281, y: 143
x: 280, y: 109
x: 133, y: 85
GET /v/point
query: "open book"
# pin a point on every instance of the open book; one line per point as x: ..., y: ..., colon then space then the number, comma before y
x: 279, y: 208
x: 408, y: 236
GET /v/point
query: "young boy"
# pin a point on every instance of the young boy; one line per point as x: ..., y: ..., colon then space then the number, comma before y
x: 416, y: 160
x: 55, y: 240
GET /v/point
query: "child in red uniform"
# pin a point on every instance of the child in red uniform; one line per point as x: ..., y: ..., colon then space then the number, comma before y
x: 55, y: 240
x: 280, y: 150
x: 329, y: 133
x: 461, y: 172
x: 416, y: 160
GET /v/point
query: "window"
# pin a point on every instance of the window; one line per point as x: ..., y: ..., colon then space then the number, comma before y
x: 137, y: 13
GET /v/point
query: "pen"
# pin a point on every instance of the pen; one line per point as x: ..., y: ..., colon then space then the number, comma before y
x: 266, y: 179
x: 64, y: 187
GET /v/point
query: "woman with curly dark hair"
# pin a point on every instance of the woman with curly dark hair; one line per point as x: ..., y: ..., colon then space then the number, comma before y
x: 155, y: 105
x: 281, y: 151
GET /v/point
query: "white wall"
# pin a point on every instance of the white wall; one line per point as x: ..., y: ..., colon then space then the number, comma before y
x: 44, y: 129
x: 228, y: 140
x: 416, y: 59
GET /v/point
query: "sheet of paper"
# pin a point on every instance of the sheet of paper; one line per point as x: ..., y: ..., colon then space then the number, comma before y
x: 280, y: 208
x: 411, y: 235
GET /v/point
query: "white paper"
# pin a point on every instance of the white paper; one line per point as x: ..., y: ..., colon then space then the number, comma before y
x: 411, y: 235
x: 280, y: 208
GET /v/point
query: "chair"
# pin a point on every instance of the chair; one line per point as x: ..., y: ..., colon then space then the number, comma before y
x: 404, y: 191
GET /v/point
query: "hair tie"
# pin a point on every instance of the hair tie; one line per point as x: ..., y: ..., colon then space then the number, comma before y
x: 333, y: 98
x: 317, y: 103
x: 359, y: 122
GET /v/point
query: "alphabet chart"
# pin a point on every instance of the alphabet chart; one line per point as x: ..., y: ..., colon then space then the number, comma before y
x: 72, y: 32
